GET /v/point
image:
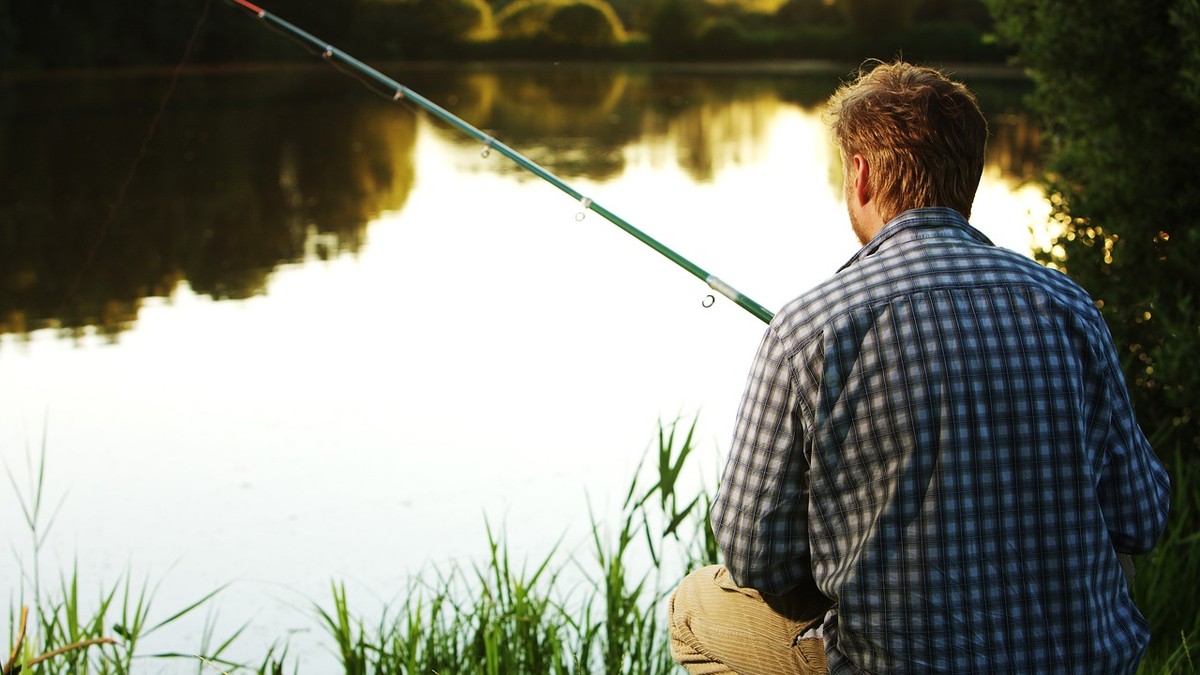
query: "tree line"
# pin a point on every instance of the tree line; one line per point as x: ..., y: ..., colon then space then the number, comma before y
x: 57, y: 34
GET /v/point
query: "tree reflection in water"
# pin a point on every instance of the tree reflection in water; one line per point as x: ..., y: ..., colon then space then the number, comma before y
x: 251, y: 170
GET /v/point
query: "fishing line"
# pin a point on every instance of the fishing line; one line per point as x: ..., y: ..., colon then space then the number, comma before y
x: 151, y: 130
x: 401, y: 94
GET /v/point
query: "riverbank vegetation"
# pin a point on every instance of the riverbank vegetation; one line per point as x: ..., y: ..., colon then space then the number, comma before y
x: 88, y: 33
x: 596, y: 611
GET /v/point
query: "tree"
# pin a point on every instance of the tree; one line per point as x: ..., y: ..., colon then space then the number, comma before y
x: 8, y: 35
x: 635, y: 14
x: 575, y: 22
x: 973, y: 12
x: 585, y: 24
x: 420, y: 28
x: 456, y: 21
x: 674, y: 25
x: 873, y: 18
x: 809, y: 13
x: 722, y: 38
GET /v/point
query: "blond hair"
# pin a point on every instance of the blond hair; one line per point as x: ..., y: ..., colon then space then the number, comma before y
x: 922, y: 134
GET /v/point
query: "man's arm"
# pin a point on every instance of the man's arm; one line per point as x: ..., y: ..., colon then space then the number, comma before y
x: 1135, y: 491
x: 760, y: 514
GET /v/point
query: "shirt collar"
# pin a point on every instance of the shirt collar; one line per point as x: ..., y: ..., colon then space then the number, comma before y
x: 908, y: 225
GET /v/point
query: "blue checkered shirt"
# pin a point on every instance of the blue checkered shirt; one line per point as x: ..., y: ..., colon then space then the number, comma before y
x: 940, y: 438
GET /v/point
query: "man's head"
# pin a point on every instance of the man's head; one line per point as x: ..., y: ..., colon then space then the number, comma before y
x: 909, y: 137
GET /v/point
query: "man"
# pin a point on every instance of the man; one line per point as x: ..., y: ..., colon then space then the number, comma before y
x: 935, y: 465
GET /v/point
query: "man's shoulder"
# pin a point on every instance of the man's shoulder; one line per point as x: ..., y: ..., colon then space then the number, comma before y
x: 900, y: 272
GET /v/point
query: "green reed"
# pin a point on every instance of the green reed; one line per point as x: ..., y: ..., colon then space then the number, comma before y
x: 1167, y: 582
x: 500, y: 617
x: 599, y: 611
x: 502, y: 620
x: 60, y: 631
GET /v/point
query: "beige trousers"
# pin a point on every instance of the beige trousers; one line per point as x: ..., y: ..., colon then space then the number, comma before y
x: 717, y: 627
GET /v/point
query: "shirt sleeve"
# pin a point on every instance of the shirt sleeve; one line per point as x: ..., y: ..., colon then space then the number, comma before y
x: 760, y: 513
x: 1134, y: 488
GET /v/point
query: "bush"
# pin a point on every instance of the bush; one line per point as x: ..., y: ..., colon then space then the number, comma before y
x: 723, y: 37
x: 799, y: 13
x: 942, y: 41
x: 877, y: 17
x: 584, y: 23
x: 422, y: 28
x: 455, y: 20
x: 673, y: 28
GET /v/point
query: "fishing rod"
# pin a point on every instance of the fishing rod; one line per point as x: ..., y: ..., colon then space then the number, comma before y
x: 402, y: 93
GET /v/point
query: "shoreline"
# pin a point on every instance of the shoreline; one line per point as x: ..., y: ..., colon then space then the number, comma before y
x: 755, y: 66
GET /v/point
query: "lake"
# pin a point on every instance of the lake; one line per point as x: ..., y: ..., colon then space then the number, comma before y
x: 299, y: 333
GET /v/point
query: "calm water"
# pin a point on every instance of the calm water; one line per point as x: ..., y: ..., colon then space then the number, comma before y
x: 320, y: 337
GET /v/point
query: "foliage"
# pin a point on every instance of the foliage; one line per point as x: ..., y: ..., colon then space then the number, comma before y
x: 674, y: 25
x: 877, y: 17
x: 1168, y: 574
x: 55, y: 34
x: 506, y: 617
x: 503, y: 617
x: 796, y: 13
x: 634, y: 14
x: 413, y: 29
x: 973, y: 12
x: 722, y: 37
x: 68, y: 634
x: 455, y: 20
x: 812, y: 29
x: 8, y: 35
x: 940, y: 41
x: 1116, y: 86
x: 587, y: 23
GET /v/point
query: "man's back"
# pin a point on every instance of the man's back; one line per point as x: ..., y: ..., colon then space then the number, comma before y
x: 947, y: 422
x: 935, y: 464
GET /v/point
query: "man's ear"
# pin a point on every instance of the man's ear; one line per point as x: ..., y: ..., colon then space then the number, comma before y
x: 860, y: 179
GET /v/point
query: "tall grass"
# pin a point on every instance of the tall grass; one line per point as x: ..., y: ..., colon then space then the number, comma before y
x: 505, y: 620
x: 599, y: 611
x: 57, y: 630
x: 501, y: 617
x: 1167, y: 582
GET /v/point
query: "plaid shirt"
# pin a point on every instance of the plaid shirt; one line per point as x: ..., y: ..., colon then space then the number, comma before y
x: 940, y: 438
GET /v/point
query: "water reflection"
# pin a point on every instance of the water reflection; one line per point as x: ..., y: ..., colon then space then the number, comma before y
x: 244, y: 173
x: 248, y: 171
